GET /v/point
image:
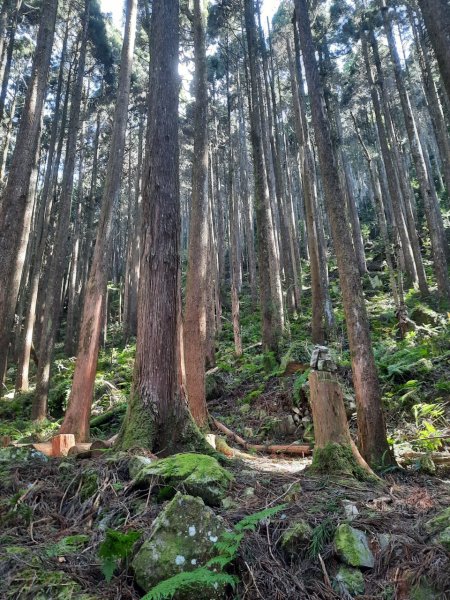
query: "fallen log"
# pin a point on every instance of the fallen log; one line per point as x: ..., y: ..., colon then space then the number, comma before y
x: 439, y: 458
x: 79, y: 448
x: 104, y: 444
x: 294, y: 449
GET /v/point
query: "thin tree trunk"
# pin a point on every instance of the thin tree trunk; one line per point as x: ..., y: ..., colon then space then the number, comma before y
x: 437, y: 21
x: 371, y: 425
x: 76, y: 419
x: 58, y: 259
x: 269, y: 286
x: 16, y: 208
x: 194, y: 326
x: 427, y: 190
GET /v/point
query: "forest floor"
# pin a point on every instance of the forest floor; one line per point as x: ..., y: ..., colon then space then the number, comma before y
x: 54, y: 512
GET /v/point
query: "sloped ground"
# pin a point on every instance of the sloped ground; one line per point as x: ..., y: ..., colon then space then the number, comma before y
x: 45, y: 503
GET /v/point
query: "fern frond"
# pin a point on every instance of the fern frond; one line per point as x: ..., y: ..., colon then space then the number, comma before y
x: 182, y: 581
x: 252, y: 521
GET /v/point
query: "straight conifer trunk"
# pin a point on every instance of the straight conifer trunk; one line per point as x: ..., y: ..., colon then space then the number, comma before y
x: 194, y: 326
x: 77, y: 416
x: 157, y: 416
x: 16, y: 206
x: 371, y: 425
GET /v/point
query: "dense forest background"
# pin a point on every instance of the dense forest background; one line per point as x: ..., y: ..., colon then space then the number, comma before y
x: 224, y: 275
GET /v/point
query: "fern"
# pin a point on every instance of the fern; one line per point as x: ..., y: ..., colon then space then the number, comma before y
x: 116, y: 546
x: 183, y: 581
x: 212, y: 575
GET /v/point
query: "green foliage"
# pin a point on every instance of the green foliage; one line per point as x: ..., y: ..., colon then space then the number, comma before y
x: 200, y: 578
x: 427, y: 416
x: 115, y: 547
x: 321, y: 535
x: 67, y: 545
x: 300, y: 381
x: 212, y: 574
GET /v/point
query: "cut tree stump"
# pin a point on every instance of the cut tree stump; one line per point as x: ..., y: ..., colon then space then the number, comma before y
x: 62, y: 443
x: 334, y: 449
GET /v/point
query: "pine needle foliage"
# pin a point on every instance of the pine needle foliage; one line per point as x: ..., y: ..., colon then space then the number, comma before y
x: 212, y: 575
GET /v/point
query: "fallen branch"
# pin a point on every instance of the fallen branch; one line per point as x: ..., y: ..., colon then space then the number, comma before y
x: 268, y: 448
x: 440, y: 458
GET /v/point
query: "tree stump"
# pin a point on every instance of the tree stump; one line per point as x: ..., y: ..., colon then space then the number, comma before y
x: 62, y: 443
x: 334, y: 450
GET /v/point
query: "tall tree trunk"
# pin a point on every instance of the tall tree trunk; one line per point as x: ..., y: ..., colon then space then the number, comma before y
x: 436, y: 14
x: 427, y: 190
x: 371, y: 425
x: 194, y: 326
x: 15, y: 208
x: 268, y: 288
x: 410, y: 247
x: 58, y: 259
x: 157, y: 415
x: 76, y: 419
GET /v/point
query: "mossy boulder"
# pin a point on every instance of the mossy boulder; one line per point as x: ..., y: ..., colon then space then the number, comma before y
x: 423, y: 591
x: 349, y: 580
x: 182, y: 538
x: 439, y: 522
x: 214, y: 385
x: 89, y: 484
x: 198, y: 475
x: 444, y: 538
x: 136, y: 464
x: 352, y: 546
x: 423, y: 315
x: 296, y: 537
x: 15, y: 454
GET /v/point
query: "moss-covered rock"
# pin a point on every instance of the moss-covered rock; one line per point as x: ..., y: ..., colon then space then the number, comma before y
x: 214, y: 385
x: 352, y: 546
x: 423, y: 315
x: 89, y: 484
x: 14, y: 454
x: 198, y: 474
x: 444, y: 538
x: 439, y: 522
x: 423, y: 591
x: 349, y: 580
x: 182, y: 538
x: 296, y: 537
x: 136, y: 464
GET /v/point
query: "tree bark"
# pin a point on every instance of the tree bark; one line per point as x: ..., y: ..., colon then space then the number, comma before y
x: 436, y: 14
x: 58, y: 259
x: 268, y: 288
x: 157, y: 417
x: 194, y: 326
x: 16, y: 208
x: 77, y: 416
x: 371, y: 424
x: 426, y: 184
